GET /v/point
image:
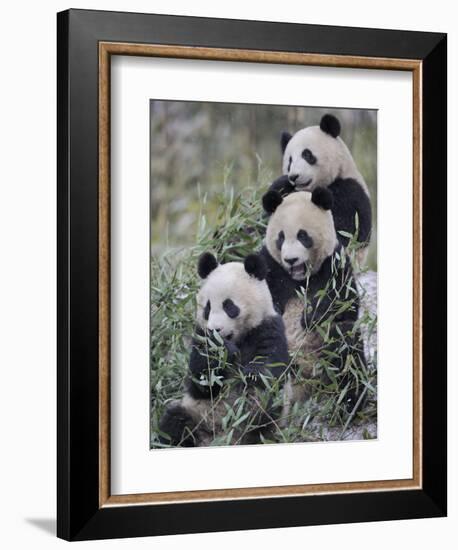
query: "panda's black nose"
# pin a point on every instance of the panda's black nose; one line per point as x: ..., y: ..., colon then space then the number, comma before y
x: 291, y: 261
x: 293, y: 177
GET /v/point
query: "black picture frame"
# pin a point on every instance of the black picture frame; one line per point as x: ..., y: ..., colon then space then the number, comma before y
x: 79, y: 514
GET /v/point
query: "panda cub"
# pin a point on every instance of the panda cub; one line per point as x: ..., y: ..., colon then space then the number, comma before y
x: 317, y: 157
x: 312, y: 284
x: 239, y: 340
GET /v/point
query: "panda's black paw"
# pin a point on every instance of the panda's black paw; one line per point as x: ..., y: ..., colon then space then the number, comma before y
x: 251, y: 375
x: 177, y: 428
x: 226, y: 342
x: 232, y: 348
x: 283, y: 186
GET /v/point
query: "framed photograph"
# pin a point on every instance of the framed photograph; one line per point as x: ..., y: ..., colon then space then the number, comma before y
x: 250, y: 331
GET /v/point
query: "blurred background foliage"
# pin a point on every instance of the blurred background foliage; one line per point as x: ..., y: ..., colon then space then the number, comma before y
x: 197, y: 146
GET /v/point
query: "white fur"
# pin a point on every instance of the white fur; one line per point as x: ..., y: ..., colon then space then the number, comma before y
x: 296, y: 212
x: 252, y: 296
x: 333, y: 160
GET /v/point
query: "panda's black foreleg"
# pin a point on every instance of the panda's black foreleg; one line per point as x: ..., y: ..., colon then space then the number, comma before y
x: 178, y: 427
x: 201, y: 363
x: 283, y: 186
x: 345, y: 345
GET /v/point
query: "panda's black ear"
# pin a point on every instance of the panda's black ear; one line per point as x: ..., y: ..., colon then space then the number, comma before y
x: 284, y: 140
x: 256, y: 266
x: 271, y: 201
x: 207, y: 263
x: 330, y: 125
x: 323, y: 198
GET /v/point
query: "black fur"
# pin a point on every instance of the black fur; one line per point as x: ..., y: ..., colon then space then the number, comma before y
x: 308, y: 156
x: 281, y: 185
x: 345, y: 346
x: 323, y: 198
x: 284, y: 140
x: 202, y: 361
x: 178, y: 427
x: 207, y: 263
x: 343, y: 288
x: 348, y: 200
x: 280, y: 240
x: 304, y: 238
x: 255, y: 266
x: 231, y: 309
x: 271, y: 200
x: 207, y: 310
x: 330, y: 125
x: 259, y: 348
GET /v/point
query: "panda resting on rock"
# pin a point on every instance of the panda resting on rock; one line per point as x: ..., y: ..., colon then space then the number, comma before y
x: 239, y: 339
x: 312, y: 284
x: 317, y: 157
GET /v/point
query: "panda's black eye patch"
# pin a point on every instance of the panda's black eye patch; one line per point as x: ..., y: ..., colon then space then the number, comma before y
x: 230, y: 308
x: 308, y: 156
x: 280, y: 240
x: 289, y: 163
x: 304, y: 238
x: 207, y: 310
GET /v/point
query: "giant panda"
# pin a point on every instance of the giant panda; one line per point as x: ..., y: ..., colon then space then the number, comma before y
x: 317, y: 157
x: 313, y: 287
x: 239, y: 344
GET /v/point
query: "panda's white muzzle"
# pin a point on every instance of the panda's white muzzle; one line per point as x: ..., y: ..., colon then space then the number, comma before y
x: 294, y: 257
